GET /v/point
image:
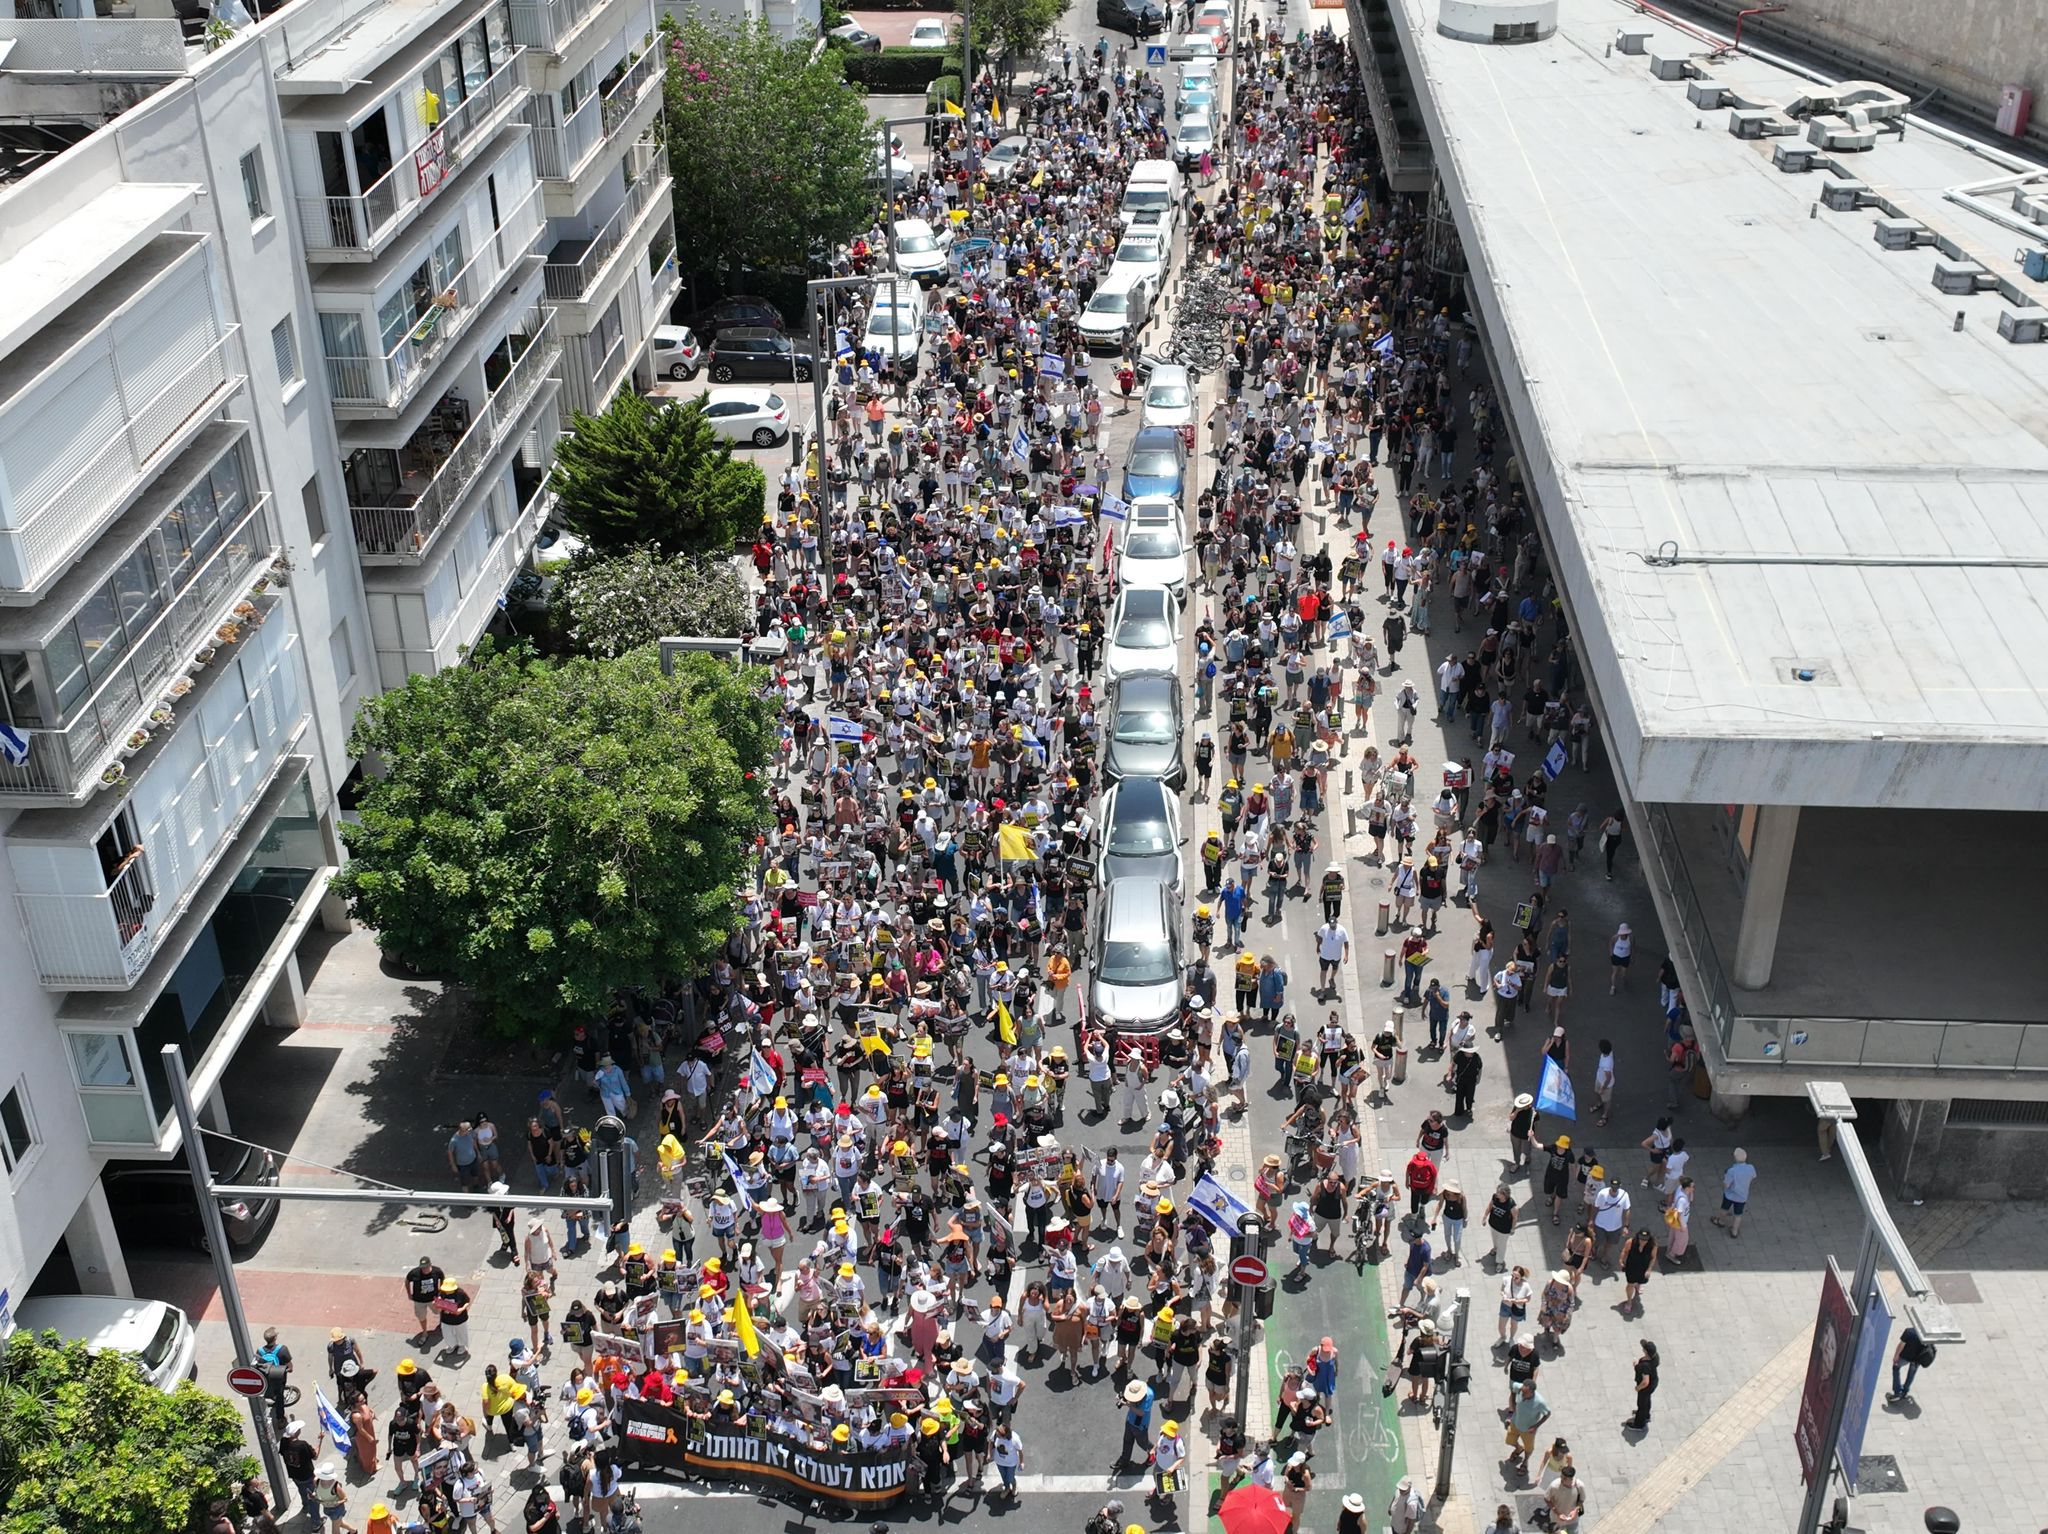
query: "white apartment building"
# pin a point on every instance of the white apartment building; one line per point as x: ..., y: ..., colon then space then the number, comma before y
x: 289, y: 332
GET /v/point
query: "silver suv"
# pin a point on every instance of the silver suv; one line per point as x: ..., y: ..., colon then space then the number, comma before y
x: 1137, y: 983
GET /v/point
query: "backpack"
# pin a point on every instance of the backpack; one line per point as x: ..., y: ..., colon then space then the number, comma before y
x: 1927, y: 1354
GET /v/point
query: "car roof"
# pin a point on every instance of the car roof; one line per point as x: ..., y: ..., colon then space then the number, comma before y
x: 1143, y: 598
x: 1144, y: 686
x: 125, y: 1325
x: 674, y: 333
x: 1195, y: 120
x: 750, y: 333
x: 753, y: 394
x: 911, y: 226
x: 1144, y: 798
x: 1134, y: 908
x: 1152, y: 438
x: 1168, y: 372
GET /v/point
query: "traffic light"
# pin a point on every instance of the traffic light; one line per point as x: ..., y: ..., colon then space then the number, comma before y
x: 1460, y: 1377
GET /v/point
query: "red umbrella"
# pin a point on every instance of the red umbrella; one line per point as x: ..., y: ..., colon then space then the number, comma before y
x: 1253, y: 1509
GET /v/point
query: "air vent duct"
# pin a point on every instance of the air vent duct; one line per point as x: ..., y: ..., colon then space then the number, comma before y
x: 1497, y: 21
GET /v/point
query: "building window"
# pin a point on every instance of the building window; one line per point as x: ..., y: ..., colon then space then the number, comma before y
x: 344, y: 655
x: 316, y: 514
x: 17, y: 1128
x: 254, y: 192
x: 284, y: 345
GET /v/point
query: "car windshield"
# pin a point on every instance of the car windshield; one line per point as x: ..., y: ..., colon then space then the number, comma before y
x: 1139, y: 248
x: 888, y: 322
x: 1152, y: 463
x: 1148, y: 963
x: 1154, y: 543
x: 916, y: 244
x: 1194, y: 129
x: 1107, y: 303
x: 1145, y: 726
x: 1005, y: 151
x: 1141, y: 197
x: 159, y: 1347
x: 1168, y: 396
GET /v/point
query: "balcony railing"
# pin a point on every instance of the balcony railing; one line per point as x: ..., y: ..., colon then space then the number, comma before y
x: 360, y: 223
x: 568, y: 281
x: 64, y: 763
x: 560, y: 153
x: 387, y: 381
x: 407, y: 531
x: 36, y: 541
x: 92, y: 940
x: 548, y: 24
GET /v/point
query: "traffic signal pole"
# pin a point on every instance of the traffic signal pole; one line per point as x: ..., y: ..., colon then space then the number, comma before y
x: 1447, y: 1445
x: 1253, y: 1230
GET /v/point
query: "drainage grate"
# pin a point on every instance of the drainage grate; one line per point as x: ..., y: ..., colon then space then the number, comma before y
x: 1956, y: 1288
x: 1877, y: 1474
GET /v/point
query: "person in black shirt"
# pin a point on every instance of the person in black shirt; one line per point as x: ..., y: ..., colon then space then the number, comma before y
x: 1646, y: 1387
x: 422, y: 1286
x: 299, y: 1462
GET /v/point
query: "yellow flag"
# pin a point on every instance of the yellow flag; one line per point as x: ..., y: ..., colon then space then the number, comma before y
x: 957, y: 215
x: 743, y: 1323
x: 953, y: 109
x: 1006, y: 1026
x: 1038, y: 180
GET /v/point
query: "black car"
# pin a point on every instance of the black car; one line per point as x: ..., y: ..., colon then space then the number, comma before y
x: 153, y: 1203
x: 1140, y: 18
x: 730, y: 313
x: 1144, y: 730
x: 753, y: 351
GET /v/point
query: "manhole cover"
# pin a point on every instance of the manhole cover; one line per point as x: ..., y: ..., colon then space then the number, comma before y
x: 1237, y: 1174
x: 1878, y: 1473
x: 1956, y: 1288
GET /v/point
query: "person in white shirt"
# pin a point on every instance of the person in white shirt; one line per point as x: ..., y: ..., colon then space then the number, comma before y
x: 1603, y: 1081
x: 1006, y: 1450
x: 1618, y: 953
x: 1109, y: 1189
x: 1333, y: 947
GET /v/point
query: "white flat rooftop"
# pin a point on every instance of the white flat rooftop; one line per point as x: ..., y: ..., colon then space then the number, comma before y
x: 1852, y: 487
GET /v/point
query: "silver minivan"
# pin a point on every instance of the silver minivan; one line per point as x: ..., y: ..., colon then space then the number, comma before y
x: 1137, y: 985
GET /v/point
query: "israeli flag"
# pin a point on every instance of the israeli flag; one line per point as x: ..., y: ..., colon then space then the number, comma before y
x: 332, y: 1422
x: 1218, y: 1205
x: 1113, y: 507
x: 1051, y: 366
x: 1036, y: 745
x: 760, y: 1075
x: 1020, y: 445
x: 1384, y: 346
x: 1357, y: 207
x: 1554, y: 1092
x: 1554, y: 761
x: 739, y: 1189
x: 1340, y: 626
x: 13, y: 745
x: 909, y: 582
x: 1068, y: 516
x: 840, y: 728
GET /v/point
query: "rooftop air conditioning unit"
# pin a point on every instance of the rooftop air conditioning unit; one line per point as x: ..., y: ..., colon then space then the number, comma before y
x: 2029, y: 324
x: 1901, y: 233
x: 1630, y: 41
x: 1662, y: 68
x: 1844, y: 196
x: 2030, y: 206
x: 1707, y: 95
x: 1962, y: 277
x: 1840, y: 136
x: 1794, y: 158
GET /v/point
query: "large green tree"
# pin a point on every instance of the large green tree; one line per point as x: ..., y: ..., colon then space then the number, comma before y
x: 607, y: 605
x: 772, y: 154
x: 546, y: 831
x: 651, y: 471
x: 1021, y: 26
x: 89, y: 1446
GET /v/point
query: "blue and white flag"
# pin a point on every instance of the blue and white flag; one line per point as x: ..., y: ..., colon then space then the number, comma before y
x: 1384, y: 346
x: 760, y: 1075
x: 840, y: 728
x: 1051, y: 366
x: 739, y: 1189
x: 1340, y: 625
x: 1218, y: 1205
x: 1038, y: 904
x: 1037, y: 745
x: 1062, y: 516
x: 1554, y: 761
x: 1020, y: 445
x: 909, y: 581
x: 14, y: 744
x: 332, y: 1422
x: 1357, y: 207
x: 1114, y: 507
x: 1554, y: 1092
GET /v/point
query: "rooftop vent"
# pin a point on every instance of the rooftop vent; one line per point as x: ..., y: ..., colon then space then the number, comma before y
x: 1838, y: 134
x: 1632, y: 41
x: 1663, y: 68
x: 2018, y: 325
x: 1497, y: 21
x: 1962, y: 277
x: 1901, y: 233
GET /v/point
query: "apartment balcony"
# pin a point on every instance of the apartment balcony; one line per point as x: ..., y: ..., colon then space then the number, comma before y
x: 570, y: 156
x: 664, y: 275
x: 360, y: 227
x: 554, y: 27
x: 384, y: 385
x: 584, y: 274
x: 445, y: 461
x: 98, y: 887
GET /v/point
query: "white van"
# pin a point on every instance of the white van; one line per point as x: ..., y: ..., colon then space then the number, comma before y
x: 155, y: 1335
x: 1116, y: 311
x: 1154, y: 184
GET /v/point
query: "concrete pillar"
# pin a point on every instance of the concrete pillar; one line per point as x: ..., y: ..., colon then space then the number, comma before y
x: 1911, y: 1146
x: 1728, y: 1107
x: 96, y: 1260
x: 285, y: 1006
x: 334, y: 915
x: 213, y: 1113
x: 1763, y: 901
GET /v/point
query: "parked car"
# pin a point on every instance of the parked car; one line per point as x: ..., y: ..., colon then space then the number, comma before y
x: 1214, y: 19
x: 1195, y: 137
x: 153, y: 1202
x: 1170, y: 398
x: 930, y: 33
x: 1143, y: 738
x: 1144, y: 632
x: 1003, y: 157
x: 1143, y: 253
x: 1140, y: 833
x: 748, y: 414
x: 731, y: 313
x: 1135, y: 981
x: 157, y: 1336
x: 756, y: 352
x: 1140, y: 18
x: 676, y: 352
x: 1155, y: 553
x: 1115, y: 312
x: 1157, y: 463
x: 853, y: 35
x: 921, y: 249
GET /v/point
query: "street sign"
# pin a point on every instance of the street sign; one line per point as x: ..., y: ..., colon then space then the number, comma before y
x: 244, y: 1381
x: 1155, y: 55
x: 1249, y: 1271
x: 1829, y: 1354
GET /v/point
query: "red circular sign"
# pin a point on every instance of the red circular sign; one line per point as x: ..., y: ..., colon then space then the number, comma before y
x: 1249, y: 1271
x: 246, y: 1381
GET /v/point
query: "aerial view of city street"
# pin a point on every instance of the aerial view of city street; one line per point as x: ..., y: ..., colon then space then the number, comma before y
x: 1199, y: 765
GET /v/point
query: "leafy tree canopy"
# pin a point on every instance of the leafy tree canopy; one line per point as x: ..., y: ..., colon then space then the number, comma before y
x: 90, y: 1446
x: 607, y: 605
x: 650, y: 471
x: 772, y: 154
x: 1021, y: 26
x: 545, y: 832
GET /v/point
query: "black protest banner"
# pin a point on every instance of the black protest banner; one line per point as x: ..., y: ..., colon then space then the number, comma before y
x: 663, y: 1437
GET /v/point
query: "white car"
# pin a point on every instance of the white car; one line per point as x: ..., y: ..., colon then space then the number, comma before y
x: 1144, y: 632
x: 894, y: 333
x: 744, y: 414
x: 1114, y: 314
x: 1141, y: 253
x: 1151, y: 508
x: 676, y: 352
x: 1163, y: 221
x: 1155, y: 556
x: 921, y: 250
x: 1194, y: 45
x: 1169, y: 397
x: 1195, y: 137
x: 930, y: 33
x: 1198, y: 97
x: 1003, y: 157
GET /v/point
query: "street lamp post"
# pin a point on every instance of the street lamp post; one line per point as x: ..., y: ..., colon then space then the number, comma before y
x: 816, y: 287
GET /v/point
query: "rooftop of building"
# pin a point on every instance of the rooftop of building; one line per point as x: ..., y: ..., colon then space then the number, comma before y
x: 1805, y: 491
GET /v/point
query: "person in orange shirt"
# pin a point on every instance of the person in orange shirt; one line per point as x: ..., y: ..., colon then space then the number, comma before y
x: 1059, y: 974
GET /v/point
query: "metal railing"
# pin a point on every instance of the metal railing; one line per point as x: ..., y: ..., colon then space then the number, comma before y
x: 359, y: 223
x: 407, y: 531
x: 92, y: 940
x: 37, y: 540
x: 1717, y: 1006
x: 386, y: 381
x: 84, y: 45
x: 548, y: 24
x: 64, y: 761
x: 568, y: 281
x: 560, y: 152
x: 1906, y: 1044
